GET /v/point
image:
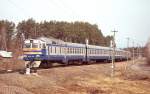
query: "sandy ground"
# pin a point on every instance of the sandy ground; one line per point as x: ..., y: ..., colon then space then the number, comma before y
x: 86, y: 79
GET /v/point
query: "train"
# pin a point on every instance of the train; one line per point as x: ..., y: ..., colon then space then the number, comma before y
x: 47, y: 50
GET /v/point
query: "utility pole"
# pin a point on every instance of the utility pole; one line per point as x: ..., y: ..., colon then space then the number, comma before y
x: 35, y: 32
x: 4, y: 42
x: 128, y: 39
x: 133, y: 53
x: 113, y: 54
x: 137, y: 51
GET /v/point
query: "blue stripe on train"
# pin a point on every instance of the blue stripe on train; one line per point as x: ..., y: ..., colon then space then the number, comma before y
x: 67, y: 57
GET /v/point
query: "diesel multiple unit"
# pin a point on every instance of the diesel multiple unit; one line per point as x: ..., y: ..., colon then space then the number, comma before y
x: 42, y: 50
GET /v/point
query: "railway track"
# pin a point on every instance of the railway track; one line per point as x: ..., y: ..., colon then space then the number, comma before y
x: 130, y: 66
x: 54, y: 65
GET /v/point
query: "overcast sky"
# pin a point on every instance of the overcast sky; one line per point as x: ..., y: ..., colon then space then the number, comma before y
x: 131, y: 18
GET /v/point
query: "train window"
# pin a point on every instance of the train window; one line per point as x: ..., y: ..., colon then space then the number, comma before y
x: 53, y: 42
x: 103, y: 52
x: 106, y: 51
x: 80, y: 50
x: 51, y: 49
x: 74, y: 50
x: 60, y: 50
x: 71, y: 50
x: 99, y: 51
x: 43, y: 46
x: 34, y: 45
x: 68, y: 50
x: 55, y: 50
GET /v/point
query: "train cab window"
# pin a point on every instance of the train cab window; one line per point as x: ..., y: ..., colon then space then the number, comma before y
x: 43, y: 46
x: 53, y: 42
x: 27, y: 45
x: 34, y: 45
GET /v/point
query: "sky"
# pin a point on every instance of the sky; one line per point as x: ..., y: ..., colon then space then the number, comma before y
x: 131, y: 18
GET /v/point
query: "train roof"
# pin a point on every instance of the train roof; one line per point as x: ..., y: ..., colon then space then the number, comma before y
x: 51, y: 40
x: 74, y: 44
x: 99, y: 47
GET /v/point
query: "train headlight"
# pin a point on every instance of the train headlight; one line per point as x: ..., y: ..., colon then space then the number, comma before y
x: 37, y: 55
x: 24, y: 55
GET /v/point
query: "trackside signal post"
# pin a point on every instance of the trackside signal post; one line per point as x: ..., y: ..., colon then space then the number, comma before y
x: 113, y: 54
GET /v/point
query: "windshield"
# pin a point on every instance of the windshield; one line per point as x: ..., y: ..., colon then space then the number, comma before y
x: 27, y: 45
x: 34, y: 45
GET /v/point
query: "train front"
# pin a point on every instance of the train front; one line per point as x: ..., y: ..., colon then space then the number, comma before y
x: 34, y: 50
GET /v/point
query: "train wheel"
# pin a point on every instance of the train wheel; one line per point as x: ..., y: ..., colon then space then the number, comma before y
x: 67, y: 63
x: 45, y: 64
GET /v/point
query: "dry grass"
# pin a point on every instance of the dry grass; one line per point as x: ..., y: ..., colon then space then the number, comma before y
x: 87, y: 79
